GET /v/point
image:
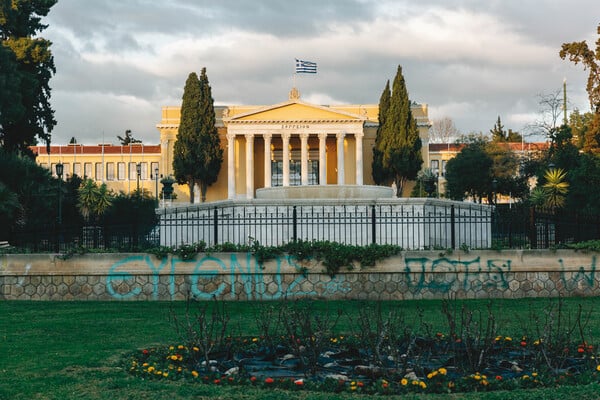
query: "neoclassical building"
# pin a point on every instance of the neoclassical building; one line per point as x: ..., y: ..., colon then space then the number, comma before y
x: 292, y: 143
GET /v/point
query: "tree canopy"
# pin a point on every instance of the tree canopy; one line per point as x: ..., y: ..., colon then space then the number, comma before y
x: 500, y: 135
x: 400, y: 144
x: 27, y: 66
x: 128, y: 138
x: 483, y: 169
x: 197, y: 152
x: 379, y: 174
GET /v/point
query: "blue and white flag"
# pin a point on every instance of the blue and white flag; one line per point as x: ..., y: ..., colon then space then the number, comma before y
x: 305, y: 67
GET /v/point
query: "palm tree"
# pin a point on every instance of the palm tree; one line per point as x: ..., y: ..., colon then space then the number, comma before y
x: 555, y: 187
x: 93, y: 201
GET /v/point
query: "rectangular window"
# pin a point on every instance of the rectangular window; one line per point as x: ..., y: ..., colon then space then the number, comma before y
x: 154, y: 171
x: 99, y: 173
x: 77, y: 169
x: 66, y: 170
x: 87, y: 170
x: 444, y: 167
x: 132, y: 171
x: 121, y: 171
x: 144, y: 171
x: 435, y: 166
x: 110, y: 171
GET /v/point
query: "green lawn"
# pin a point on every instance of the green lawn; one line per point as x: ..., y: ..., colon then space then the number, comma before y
x: 71, y: 350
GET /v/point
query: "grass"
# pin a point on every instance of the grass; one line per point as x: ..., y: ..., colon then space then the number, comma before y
x: 72, y: 350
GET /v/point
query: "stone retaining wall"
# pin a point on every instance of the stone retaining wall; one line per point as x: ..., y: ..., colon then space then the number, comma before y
x: 238, y: 276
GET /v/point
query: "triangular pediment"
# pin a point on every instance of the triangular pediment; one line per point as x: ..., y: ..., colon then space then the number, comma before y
x: 293, y: 111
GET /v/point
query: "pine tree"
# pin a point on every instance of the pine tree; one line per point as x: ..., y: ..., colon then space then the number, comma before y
x: 197, y: 153
x: 400, y: 143
x: 31, y: 65
x: 498, y: 133
x: 379, y: 175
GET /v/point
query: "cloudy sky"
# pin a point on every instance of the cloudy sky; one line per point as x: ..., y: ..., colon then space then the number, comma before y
x: 119, y: 62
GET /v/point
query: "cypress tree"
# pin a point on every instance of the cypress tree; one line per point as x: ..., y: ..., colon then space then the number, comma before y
x: 211, y: 155
x: 187, y: 145
x: 197, y: 153
x: 400, y: 143
x: 379, y: 174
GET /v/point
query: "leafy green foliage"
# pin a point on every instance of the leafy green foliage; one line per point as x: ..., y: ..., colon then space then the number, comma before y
x: 30, y: 67
x: 484, y: 169
x: 333, y: 256
x: 136, y: 209
x: 380, y: 175
x: 400, y: 145
x: 579, y: 52
x: 197, y: 152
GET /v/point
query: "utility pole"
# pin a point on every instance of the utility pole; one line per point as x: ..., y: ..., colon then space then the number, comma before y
x: 565, y: 101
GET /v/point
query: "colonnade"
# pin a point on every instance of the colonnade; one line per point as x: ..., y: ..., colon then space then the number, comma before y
x: 285, y: 137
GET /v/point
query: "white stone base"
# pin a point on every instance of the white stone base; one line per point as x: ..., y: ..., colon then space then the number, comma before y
x: 326, y: 192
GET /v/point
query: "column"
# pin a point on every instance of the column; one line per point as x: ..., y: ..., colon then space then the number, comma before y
x: 249, y: 165
x: 230, y: 166
x: 359, y: 157
x: 322, y: 159
x: 340, y: 158
x: 286, y: 158
x: 304, y: 159
x: 267, y: 138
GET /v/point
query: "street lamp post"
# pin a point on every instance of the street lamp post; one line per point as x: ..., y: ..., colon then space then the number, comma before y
x: 59, y: 174
x: 138, y: 168
x: 156, y: 183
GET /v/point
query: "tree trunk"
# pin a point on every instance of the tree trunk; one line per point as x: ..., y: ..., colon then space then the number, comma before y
x: 191, y: 185
x: 400, y: 181
x: 203, y: 188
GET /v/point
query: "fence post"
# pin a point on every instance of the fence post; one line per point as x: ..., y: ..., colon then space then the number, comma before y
x: 215, y: 226
x: 294, y: 224
x: 452, y: 227
x: 373, y: 224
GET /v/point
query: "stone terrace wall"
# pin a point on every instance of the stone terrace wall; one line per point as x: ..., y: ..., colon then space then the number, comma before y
x: 238, y: 276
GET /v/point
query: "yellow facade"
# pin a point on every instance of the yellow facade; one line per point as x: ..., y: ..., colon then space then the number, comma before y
x: 326, y: 136
x: 250, y: 128
x: 114, y: 165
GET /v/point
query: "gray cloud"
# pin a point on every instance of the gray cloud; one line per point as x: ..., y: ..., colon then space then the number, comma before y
x: 119, y: 62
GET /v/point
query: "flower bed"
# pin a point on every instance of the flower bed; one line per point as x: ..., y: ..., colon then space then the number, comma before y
x: 437, y: 364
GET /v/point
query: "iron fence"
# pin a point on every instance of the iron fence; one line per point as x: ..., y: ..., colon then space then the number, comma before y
x: 416, y: 225
x: 425, y: 225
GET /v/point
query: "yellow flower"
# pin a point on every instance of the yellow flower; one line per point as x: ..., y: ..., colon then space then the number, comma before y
x: 195, y: 348
x: 484, y: 382
x: 171, y: 348
x: 174, y: 357
x: 181, y: 347
x: 194, y: 374
x: 144, y: 365
x: 150, y: 369
x: 477, y: 377
x: 442, y: 371
x: 598, y: 367
x: 422, y: 384
x: 404, y: 381
x: 255, y: 340
x: 508, y: 339
x: 534, y: 374
x: 166, y: 374
x: 525, y: 376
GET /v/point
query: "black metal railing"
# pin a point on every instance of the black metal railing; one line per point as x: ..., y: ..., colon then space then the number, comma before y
x: 411, y: 226
x: 421, y: 226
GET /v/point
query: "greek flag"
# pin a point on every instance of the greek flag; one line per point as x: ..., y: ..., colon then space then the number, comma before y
x: 305, y: 67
